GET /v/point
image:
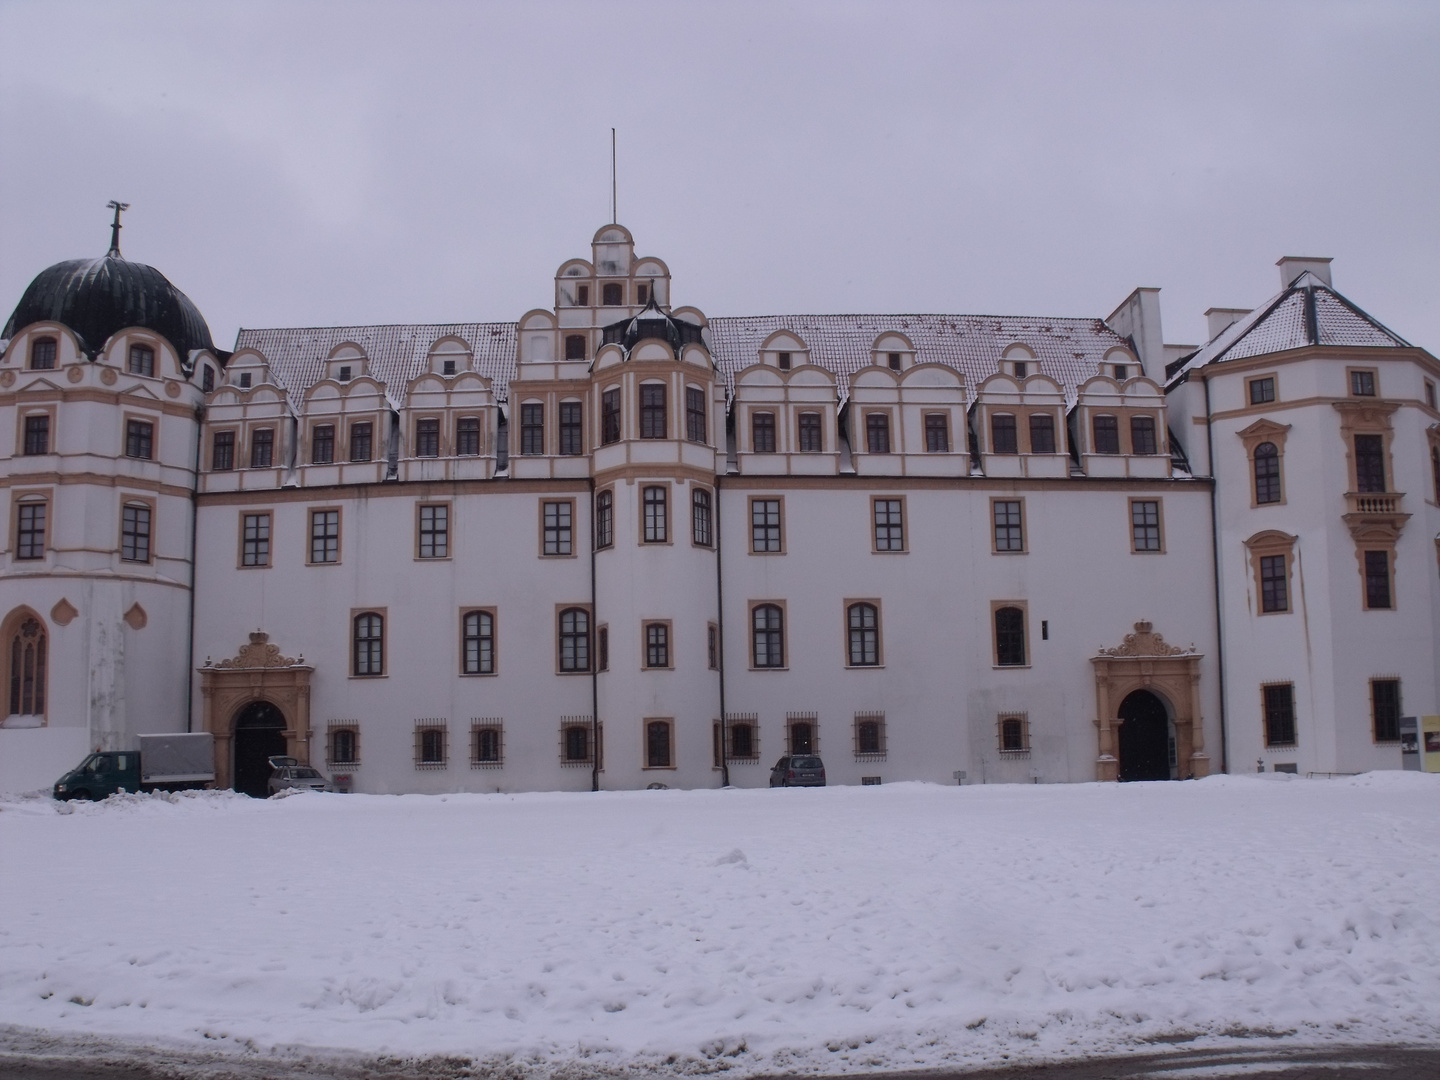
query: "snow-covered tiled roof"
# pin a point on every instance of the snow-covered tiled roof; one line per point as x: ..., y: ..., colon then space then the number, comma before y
x: 1308, y: 312
x: 397, y: 353
x: 1068, y: 350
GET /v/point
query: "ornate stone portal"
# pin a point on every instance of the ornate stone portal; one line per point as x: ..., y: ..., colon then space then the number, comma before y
x: 257, y: 673
x: 1145, y: 661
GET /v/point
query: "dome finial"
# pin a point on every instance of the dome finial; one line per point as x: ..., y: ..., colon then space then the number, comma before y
x: 115, y: 226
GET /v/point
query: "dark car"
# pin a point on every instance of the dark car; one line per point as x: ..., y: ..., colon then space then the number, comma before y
x: 798, y: 770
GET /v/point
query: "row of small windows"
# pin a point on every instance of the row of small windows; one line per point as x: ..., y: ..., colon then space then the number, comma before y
x: 1377, y: 580
x: 139, y: 437
x: 139, y: 360
x: 32, y: 523
x: 612, y: 294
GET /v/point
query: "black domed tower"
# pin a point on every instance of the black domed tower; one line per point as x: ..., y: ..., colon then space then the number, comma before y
x: 97, y: 297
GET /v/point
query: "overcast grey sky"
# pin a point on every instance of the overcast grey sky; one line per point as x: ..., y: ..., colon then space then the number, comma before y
x: 306, y: 164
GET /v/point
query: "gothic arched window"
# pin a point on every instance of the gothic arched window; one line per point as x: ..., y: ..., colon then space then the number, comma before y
x: 27, y: 669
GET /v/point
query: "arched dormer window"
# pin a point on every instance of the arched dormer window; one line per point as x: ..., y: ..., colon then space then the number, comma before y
x: 42, y: 354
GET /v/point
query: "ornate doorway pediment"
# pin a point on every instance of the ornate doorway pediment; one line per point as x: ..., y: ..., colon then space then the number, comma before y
x: 258, y: 672
x: 1144, y: 660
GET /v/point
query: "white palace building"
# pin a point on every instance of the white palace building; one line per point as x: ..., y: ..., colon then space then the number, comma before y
x: 618, y: 542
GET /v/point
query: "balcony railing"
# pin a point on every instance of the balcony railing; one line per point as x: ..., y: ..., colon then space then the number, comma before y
x: 1369, y: 502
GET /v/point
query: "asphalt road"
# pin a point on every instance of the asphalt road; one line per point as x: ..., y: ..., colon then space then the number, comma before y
x: 33, y: 1057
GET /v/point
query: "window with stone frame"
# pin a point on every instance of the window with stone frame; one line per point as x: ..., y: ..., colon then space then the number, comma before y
x: 877, y: 432
x: 1042, y: 433
x: 557, y: 527
x: 433, y: 523
x: 532, y: 428
x: 427, y: 437
x: 811, y: 438
x: 1274, y: 583
x: 1385, y: 710
x: 611, y: 294
x: 42, y: 354
x: 37, y: 434
x: 655, y: 514
x: 862, y: 624
x: 431, y: 749
x: 1267, y: 473
x: 1010, y: 636
x: 1379, y: 596
x: 1003, y: 438
x: 487, y: 743
x: 887, y: 517
x: 222, y: 451
x: 141, y: 360
x: 610, y: 416
x: 1013, y: 733
x: 766, y: 527
x: 31, y: 513
x: 659, y: 743
x: 1106, y: 431
x: 572, y: 428
x: 937, y: 433
x: 255, y: 539
x: 362, y: 441
x: 322, y: 444
x: 701, y: 518
x: 1278, y: 704
x: 767, y: 623
x: 368, y: 644
x: 762, y: 432
x: 657, y: 645
x: 139, y: 439
x: 1262, y: 390
x: 135, y: 532
x: 1009, y: 525
x: 262, y: 448
x: 477, y: 642
x: 1369, y: 464
x: 1142, y: 435
x: 1145, y: 533
x: 324, y: 536
x: 1362, y: 383
x: 869, y: 736
x: 652, y: 411
x: 604, y: 519
x: 695, y: 414
x: 467, y: 436
x: 574, y: 640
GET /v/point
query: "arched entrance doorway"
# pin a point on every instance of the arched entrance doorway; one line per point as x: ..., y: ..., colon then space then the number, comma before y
x: 259, y: 733
x: 1144, y: 737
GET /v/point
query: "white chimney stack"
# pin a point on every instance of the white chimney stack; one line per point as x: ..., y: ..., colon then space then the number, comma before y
x: 1218, y: 319
x: 1292, y: 266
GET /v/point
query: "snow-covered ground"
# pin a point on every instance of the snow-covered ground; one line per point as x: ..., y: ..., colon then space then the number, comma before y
x: 907, y: 925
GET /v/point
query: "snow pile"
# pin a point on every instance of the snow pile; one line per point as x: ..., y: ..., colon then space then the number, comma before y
x: 905, y: 925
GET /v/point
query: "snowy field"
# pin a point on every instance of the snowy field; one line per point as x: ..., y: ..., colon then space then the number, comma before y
x: 756, y: 931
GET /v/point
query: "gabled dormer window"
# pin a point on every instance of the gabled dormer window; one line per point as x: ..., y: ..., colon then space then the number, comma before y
x: 245, y: 380
x: 448, y: 367
x: 1122, y: 372
x: 1022, y: 368
x: 345, y: 373
x: 783, y: 359
x: 893, y: 359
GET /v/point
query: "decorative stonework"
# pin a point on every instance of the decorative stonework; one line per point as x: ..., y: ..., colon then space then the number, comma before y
x: 136, y: 618
x: 75, y: 373
x: 63, y: 613
x: 172, y: 389
x: 108, y: 376
x: 7, y: 378
x: 258, y: 654
x: 1145, y: 642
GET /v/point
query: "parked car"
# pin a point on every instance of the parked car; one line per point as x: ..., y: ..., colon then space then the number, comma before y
x: 287, y: 774
x: 798, y: 770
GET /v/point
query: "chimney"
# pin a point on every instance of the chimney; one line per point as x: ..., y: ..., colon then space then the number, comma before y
x: 1219, y: 319
x: 1292, y: 266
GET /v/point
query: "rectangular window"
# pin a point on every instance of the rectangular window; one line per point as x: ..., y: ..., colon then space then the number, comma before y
x: 1107, y: 435
x: 937, y: 433
x: 1385, y: 709
x: 877, y: 433
x: 767, y: 643
x: 467, y: 436
x: 892, y: 360
x: 783, y: 360
x: 602, y: 648
x: 1369, y: 463
x: 429, y: 745
x: 245, y: 378
x: 582, y: 295
x: 135, y: 533
x: 30, y: 530
x: 142, y: 360
x: 255, y: 540
x: 556, y: 526
x: 342, y: 746
x: 766, y: 534
x: 1262, y: 391
x: 811, y: 441
x: 762, y: 432
x: 1429, y: 393
x: 712, y: 646
x: 862, y: 626
x: 434, y: 523
x: 1274, y: 587
x: 322, y: 444
x: 139, y: 439
x: 361, y: 441
x: 1362, y: 383
x: 1042, y: 433
x: 574, y: 346
x: 37, y: 434
x: 657, y: 645
x: 477, y: 643
x: 487, y: 743
x: 1010, y: 636
x: 1279, y: 704
x: 869, y: 736
x: 262, y: 448
x: 1377, y: 580
x: 659, y: 744
x: 1013, y: 732
x: 1003, y: 438
x: 656, y: 524
x: 222, y: 452
x: 1009, y: 526
x: 42, y: 354
x: 652, y: 410
x: 1142, y: 435
x: 744, y: 736
x: 1145, y: 524
x: 427, y: 437
x: 604, y: 519
x: 888, y: 517
x: 575, y: 744
x: 324, y: 536
x: 532, y: 429
x: 700, y: 529
x: 610, y: 416
x: 695, y: 414
x: 572, y: 428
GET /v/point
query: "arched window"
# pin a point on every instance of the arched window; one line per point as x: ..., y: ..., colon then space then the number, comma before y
x: 574, y: 640
x: 27, y: 669
x: 42, y: 354
x: 1010, y: 637
x: 864, y: 623
x: 768, y: 622
x: 479, y: 643
x: 369, y: 644
x: 1267, y: 473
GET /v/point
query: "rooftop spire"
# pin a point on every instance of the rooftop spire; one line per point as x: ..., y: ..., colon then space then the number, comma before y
x: 115, y: 227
